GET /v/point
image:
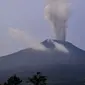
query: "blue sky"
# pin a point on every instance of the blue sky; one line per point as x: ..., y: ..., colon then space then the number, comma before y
x: 22, y: 21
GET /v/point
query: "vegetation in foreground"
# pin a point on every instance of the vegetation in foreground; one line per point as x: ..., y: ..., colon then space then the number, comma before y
x: 37, y: 79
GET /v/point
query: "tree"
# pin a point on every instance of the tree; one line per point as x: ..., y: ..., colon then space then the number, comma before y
x: 37, y: 79
x: 13, y: 80
x: 5, y: 83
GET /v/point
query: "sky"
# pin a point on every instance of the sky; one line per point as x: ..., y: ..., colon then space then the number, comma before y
x: 22, y: 24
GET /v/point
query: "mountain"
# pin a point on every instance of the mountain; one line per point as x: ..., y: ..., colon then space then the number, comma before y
x: 59, y: 61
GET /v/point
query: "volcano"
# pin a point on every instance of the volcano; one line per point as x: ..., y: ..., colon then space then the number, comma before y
x: 61, y: 61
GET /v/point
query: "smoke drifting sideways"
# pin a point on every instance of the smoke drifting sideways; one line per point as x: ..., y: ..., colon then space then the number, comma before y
x: 57, y: 14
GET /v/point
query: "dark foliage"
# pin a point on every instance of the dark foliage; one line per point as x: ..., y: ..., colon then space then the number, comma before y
x: 37, y: 79
x: 13, y: 80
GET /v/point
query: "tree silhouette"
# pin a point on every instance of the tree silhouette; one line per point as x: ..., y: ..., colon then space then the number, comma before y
x: 5, y: 83
x: 37, y: 79
x: 13, y: 80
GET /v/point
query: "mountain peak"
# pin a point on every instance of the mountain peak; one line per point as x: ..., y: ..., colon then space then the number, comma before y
x: 63, y: 46
x: 48, y: 43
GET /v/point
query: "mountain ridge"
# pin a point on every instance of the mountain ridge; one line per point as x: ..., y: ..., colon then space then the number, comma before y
x: 59, y: 57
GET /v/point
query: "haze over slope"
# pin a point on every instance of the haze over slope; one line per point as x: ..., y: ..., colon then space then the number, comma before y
x: 57, y: 52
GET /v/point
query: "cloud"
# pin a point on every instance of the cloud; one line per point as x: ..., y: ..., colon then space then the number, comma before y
x: 25, y: 38
x: 57, y: 13
x: 19, y: 35
x: 61, y: 47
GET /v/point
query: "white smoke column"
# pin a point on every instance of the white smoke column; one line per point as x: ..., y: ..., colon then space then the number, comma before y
x: 57, y: 13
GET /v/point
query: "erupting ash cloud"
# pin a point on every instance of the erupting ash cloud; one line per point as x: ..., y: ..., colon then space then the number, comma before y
x: 57, y: 13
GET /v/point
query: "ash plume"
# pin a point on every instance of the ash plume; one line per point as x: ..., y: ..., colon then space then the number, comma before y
x: 57, y: 13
